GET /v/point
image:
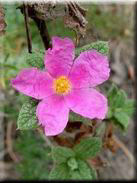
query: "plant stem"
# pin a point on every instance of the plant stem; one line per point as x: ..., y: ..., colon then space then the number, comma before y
x: 27, y: 28
x: 43, y: 32
x: 42, y: 27
x: 125, y: 149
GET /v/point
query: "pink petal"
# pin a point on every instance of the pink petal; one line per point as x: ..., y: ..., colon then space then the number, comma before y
x: 53, y: 114
x: 59, y: 59
x: 87, y: 102
x: 90, y: 69
x: 34, y: 83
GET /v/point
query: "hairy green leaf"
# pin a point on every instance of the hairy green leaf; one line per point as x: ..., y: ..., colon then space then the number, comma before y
x: 129, y: 107
x: 72, y: 163
x: 59, y: 172
x: 93, y: 173
x: 120, y: 99
x: 62, y: 154
x: 100, y: 46
x: 76, y: 117
x: 27, y: 119
x: 109, y: 113
x: 120, y: 107
x: 84, y: 172
x: 32, y: 149
x: 112, y: 93
x: 35, y: 59
x: 84, y: 169
x: 75, y: 175
x: 122, y: 119
x: 88, y: 147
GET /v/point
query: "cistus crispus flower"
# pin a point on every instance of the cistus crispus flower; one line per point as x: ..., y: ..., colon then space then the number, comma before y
x: 65, y: 84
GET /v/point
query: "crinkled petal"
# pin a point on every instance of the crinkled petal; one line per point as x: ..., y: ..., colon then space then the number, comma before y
x: 53, y: 114
x: 34, y: 83
x: 59, y: 59
x: 87, y: 102
x: 90, y: 69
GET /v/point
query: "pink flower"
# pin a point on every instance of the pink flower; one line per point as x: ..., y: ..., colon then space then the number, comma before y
x: 65, y: 84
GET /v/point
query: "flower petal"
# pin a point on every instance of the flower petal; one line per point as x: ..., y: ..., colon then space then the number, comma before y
x: 90, y: 69
x: 87, y: 102
x: 34, y: 83
x: 53, y: 114
x: 59, y: 59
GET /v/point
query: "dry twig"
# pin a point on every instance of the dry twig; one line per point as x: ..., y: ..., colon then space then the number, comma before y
x: 124, y: 149
x: 26, y: 18
x: 9, y: 142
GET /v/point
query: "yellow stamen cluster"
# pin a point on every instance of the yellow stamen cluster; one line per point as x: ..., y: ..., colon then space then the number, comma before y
x: 62, y: 85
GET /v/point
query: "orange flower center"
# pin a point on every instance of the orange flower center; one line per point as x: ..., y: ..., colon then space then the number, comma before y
x: 62, y: 85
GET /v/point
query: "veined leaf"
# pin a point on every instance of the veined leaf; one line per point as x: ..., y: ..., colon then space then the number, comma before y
x: 76, y: 117
x: 59, y: 172
x: 100, y: 46
x: 122, y: 119
x: 84, y: 172
x: 62, y: 154
x: 35, y: 59
x: 88, y: 147
x: 72, y: 163
x: 27, y: 119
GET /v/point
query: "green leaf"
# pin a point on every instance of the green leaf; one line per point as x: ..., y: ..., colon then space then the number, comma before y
x: 129, y: 107
x: 120, y: 107
x: 72, y: 163
x: 76, y: 117
x: 59, y: 172
x: 112, y: 93
x: 122, y: 118
x: 84, y: 172
x: 33, y: 151
x: 35, y: 59
x: 27, y: 119
x: 93, y: 173
x: 120, y: 99
x: 62, y: 154
x: 117, y: 97
x: 75, y: 175
x: 100, y: 46
x: 130, y: 103
x: 109, y: 113
x: 88, y: 147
